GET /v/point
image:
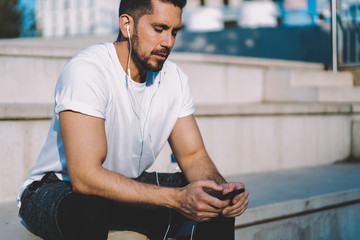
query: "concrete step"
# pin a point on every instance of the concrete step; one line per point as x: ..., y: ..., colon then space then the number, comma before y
x: 33, y: 79
x: 31, y: 68
x: 340, y: 95
x: 284, y: 85
x: 312, y: 78
x: 307, y: 203
x: 240, y: 138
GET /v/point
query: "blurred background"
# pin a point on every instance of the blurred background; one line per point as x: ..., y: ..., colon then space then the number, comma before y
x: 276, y: 86
x: 281, y: 29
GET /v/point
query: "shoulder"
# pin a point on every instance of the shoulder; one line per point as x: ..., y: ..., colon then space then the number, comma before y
x: 97, y: 50
x: 87, y: 63
x: 95, y: 55
x: 88, y: 69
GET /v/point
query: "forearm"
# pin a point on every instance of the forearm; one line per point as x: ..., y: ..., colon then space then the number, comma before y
x: 202, y: 168
x: 110, y: 185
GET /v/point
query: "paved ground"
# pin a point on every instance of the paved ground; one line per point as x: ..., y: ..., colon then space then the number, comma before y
x: 280, y: 186
x: 264, y: 188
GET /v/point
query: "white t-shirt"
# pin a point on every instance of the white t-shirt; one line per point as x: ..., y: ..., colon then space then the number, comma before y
x: 138, y: 117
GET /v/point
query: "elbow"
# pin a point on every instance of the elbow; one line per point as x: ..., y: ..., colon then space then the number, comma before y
x: 79, y: 186
x: 78, y: 189
x: 86, y: 182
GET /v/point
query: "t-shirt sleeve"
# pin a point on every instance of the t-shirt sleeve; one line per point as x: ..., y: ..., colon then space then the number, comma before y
x: 188, y: 106
x: 82, y: 88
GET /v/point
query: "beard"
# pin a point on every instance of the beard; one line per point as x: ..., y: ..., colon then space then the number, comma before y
x: 142, y: 60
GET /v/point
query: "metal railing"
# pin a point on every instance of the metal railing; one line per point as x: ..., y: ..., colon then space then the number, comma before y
x: 346, y: 34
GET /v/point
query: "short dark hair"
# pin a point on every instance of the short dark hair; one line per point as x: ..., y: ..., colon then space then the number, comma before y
x: 138, y: 8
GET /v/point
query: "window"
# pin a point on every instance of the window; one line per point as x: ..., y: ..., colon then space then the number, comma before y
x: 79, y: 23
x: 54, y: 5
x: 91, y: 3
x: 66, y: 4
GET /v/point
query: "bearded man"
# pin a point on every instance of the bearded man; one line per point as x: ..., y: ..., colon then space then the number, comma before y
x: 116, y: 105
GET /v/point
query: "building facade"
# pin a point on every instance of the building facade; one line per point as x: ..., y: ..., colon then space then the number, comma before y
x: 62, y: 18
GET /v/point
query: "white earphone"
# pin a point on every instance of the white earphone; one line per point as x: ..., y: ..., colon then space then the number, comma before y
x: 128, y: 31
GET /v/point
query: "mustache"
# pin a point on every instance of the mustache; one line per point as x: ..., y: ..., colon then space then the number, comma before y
x: 163, y: 51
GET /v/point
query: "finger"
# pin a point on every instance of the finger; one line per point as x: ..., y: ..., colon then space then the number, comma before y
x: 237, y: 209
x: 231, y: 209
x: 206, y: 207
x: 210, y: 185
x: 215, y: 204
x: 233, y: 215
x: 240, y: 197
x: 226, y: 188
x: 238, y: 202
x: 229, y: 187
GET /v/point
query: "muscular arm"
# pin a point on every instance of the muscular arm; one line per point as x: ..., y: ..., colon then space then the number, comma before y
x: 189, y: 150
x: 85, y: 148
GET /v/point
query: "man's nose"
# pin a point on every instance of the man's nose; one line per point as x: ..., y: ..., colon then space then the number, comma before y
x: 168, y: 40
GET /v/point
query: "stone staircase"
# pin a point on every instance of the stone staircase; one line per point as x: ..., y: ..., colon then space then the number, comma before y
x: 257, y: 116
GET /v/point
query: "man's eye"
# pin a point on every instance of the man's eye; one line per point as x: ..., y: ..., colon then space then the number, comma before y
x: 159, y: 30
x: 175, y: 33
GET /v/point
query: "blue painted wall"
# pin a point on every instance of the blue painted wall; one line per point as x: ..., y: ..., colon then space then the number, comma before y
x: 309, y: 44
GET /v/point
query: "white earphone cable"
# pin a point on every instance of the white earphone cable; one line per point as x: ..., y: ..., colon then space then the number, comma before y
x: 142, y: 131
x: 130, y: 46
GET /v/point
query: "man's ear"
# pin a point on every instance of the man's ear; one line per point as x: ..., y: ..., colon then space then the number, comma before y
x: 125, y: 21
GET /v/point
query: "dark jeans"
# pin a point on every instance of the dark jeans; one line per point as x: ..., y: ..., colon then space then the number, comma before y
x: 52, y: 210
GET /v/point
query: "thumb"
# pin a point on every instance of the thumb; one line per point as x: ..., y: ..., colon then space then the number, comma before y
x: 210, y: 186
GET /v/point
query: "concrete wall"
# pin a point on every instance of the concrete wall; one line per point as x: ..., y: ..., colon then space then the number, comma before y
x: 260, y: 138
x: 29, y: 79
x: 21, y: 142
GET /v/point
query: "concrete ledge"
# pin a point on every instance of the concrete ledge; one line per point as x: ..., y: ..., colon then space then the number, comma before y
x: 49, y: 47
x: 274, y: 109
x: 245, y: 61
x: 67, y: 47
x: 321, y: 79
x: 19, y: 111
x: 276, y: 211
x: 309, y: 203
x: 340, y: 95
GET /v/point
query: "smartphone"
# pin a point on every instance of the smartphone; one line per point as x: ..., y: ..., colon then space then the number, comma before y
x: 232, y: 194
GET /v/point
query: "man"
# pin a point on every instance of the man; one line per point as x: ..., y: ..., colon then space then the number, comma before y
x: 116, y: 104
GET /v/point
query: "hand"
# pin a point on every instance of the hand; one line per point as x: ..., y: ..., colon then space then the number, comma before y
x: 197, y: 204
x: 239, y: 203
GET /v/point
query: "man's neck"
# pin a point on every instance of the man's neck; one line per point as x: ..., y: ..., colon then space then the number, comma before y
x: 122, y: 51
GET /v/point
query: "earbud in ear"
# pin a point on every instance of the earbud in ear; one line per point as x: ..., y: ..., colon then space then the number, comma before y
x: 128, y: 31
